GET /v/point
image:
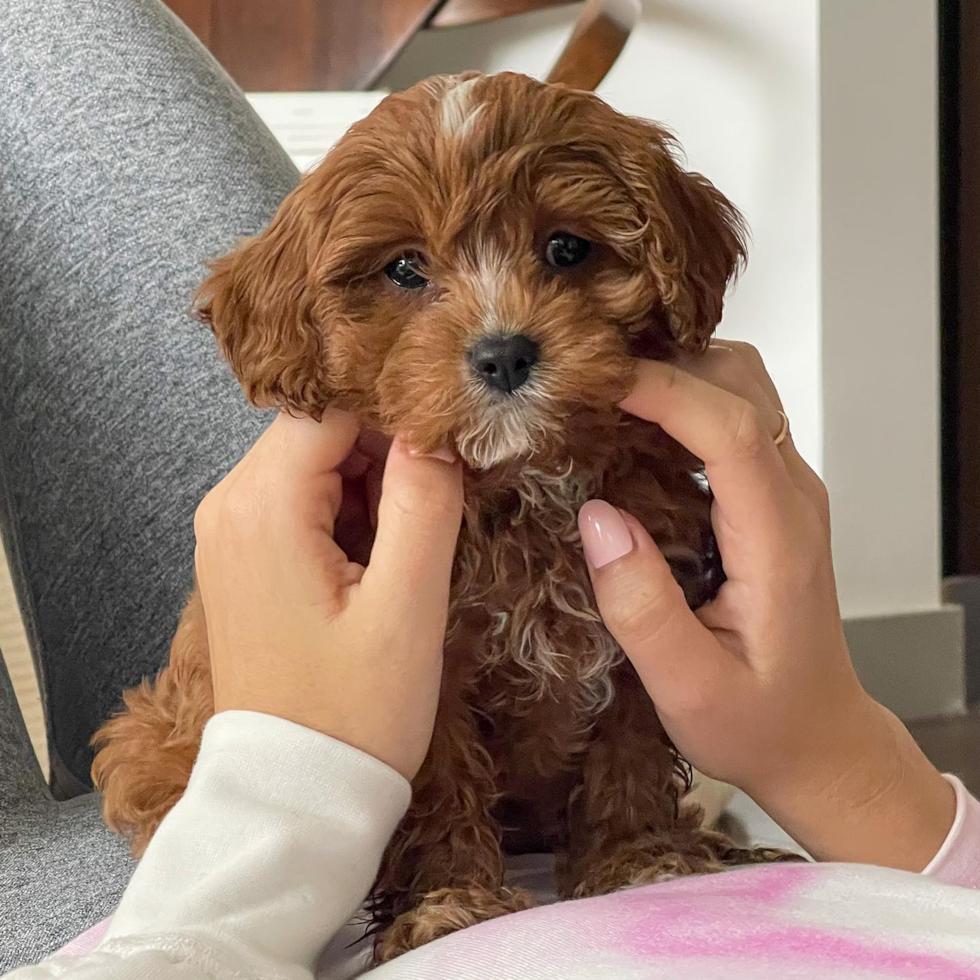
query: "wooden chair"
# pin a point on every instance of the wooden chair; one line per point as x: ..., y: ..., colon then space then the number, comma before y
x: 346, y: 45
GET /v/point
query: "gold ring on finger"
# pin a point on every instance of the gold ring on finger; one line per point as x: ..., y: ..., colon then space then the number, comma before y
x: 780, y: 437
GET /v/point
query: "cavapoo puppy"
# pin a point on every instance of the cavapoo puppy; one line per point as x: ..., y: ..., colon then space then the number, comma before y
x: 476, y: 264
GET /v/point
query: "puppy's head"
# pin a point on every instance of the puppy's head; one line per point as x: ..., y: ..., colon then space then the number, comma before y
x: 475, y: 263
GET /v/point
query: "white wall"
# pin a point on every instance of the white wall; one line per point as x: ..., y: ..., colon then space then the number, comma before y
x: 817, y: 118
x: 880, y: 337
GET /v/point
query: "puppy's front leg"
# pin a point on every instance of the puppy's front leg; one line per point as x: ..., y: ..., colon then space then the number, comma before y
x: 625, y: 825
x: 444, y: 868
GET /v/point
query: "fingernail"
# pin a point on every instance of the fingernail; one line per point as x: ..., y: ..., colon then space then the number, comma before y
x: 443, y: 452
x: 605, y: 536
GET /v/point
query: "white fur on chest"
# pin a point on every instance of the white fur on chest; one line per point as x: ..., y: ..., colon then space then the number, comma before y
x: 546, y: 638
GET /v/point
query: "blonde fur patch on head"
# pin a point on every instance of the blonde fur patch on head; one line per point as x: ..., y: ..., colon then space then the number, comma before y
x: 458, y: 113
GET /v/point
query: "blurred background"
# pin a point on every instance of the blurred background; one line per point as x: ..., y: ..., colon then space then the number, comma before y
x: 847, y: 133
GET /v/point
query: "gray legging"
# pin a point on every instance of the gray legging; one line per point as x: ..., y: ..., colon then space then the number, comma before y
x: 127, y: 158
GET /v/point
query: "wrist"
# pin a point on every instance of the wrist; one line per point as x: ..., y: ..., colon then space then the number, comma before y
x: 871, y: 797
x: 823, y: 751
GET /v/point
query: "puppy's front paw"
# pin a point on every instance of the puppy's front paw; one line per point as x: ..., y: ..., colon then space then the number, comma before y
x: 650, y: 859
x: 444, y: 911
x: 631, y: 866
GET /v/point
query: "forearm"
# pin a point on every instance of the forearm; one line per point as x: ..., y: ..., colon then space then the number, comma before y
x: 874, y: 799
x: 271, y: 850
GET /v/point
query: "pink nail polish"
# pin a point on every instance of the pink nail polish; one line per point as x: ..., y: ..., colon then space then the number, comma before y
x: 605, y: 536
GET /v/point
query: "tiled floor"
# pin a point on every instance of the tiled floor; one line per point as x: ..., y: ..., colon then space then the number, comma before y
x: 13, y: 645
x: 953, y: 744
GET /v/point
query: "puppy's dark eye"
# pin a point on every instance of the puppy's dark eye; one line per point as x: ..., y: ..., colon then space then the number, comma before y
x: 565, y: 249
x: 403, y: 272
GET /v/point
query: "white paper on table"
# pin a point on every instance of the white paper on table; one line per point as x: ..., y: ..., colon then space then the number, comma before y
x: 307, y: 124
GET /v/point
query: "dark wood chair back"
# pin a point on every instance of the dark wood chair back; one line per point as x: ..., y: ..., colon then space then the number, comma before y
x: 346, y: 45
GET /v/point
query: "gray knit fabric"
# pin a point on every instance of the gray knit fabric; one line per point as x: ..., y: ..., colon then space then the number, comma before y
x: 61, y: 871
x: 127, y: 158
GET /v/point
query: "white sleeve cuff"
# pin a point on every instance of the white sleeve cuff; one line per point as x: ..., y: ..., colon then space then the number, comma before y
x: 272, y: 848
x: 958, y: 860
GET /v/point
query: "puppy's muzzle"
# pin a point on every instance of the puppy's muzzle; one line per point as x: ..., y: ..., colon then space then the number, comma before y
x: 504, y: 362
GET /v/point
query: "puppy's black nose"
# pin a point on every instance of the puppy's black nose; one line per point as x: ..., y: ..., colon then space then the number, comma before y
x: 504, y: 361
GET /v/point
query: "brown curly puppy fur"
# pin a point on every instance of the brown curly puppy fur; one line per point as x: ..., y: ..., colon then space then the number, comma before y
x: 544, y: 735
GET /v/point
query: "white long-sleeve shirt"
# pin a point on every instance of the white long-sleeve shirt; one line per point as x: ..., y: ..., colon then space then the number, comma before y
x: 279, y: 836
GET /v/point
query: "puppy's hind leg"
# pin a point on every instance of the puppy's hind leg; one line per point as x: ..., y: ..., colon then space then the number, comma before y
x: 144, y: 754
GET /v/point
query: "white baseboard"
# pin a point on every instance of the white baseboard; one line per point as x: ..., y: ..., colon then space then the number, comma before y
x: 912, y: 663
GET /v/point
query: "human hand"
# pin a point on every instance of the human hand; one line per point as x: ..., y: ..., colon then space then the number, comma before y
x: 757, y: 688
x: 297, y: 629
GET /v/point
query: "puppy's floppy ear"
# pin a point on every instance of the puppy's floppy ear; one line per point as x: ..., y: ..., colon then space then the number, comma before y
x: 259, y: 302
x: 696, y: 245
